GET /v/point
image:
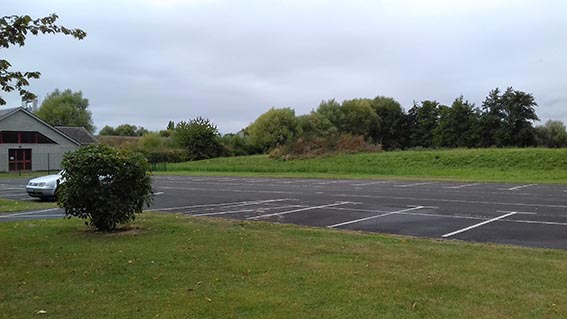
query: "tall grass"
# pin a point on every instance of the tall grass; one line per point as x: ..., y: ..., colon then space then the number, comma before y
x: 507, y: 165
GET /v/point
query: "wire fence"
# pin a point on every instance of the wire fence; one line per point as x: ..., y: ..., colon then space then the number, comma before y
x: 158, y: 166
x: 25, y: 160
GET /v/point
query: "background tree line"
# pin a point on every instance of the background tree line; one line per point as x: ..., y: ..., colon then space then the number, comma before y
x: 505, y: 119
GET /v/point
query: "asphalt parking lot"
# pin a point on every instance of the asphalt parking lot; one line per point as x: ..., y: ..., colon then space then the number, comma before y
x: 520, y: 214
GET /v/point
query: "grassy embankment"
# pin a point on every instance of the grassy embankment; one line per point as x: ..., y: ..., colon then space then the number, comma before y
x: 170, y: 266
x: 490, y: 165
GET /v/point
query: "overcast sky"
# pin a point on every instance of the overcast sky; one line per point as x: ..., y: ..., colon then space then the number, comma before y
x: 146, y: 62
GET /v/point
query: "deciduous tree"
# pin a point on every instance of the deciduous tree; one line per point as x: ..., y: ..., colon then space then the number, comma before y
x: 392, y: 131
x: 507, y: 119
x: 199, y: 138
x: 552, y: 134
x: 359, y: 118
x: 274, y: 128
x: 66, y: 108
x: 328, y: 117
x: 14, y: 30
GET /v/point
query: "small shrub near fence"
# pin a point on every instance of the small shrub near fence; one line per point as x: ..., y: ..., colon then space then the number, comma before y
x: 159, y: 159
x: 158, y: 166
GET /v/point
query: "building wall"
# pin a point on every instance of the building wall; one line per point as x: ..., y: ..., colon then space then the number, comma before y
x: 44, y: 156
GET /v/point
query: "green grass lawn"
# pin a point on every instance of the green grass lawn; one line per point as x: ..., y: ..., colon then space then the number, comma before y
x: 9, y: 206
x: 169, y: 266
x: 488, y: 165
x: 24, y: 175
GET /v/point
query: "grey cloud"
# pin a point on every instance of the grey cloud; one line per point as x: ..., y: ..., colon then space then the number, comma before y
x: 150, y: 62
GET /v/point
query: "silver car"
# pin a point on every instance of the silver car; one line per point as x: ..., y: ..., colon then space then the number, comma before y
x: 44, y: 187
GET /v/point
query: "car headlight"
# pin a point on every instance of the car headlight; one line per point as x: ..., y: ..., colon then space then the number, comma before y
x: 41, y: 184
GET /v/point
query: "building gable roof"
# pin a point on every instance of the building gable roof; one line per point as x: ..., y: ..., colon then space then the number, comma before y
x: 5, y: 113
x: 79, y: 134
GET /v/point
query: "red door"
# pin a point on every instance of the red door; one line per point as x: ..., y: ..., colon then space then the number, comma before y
x: 20, y: 159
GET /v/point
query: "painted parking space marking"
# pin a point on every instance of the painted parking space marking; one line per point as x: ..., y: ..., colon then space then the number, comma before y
x: 41, y: 216
x: 358, y: 210
x: 445, y: 200
x: 517, y: 212
x: 219, y: 204
x: 225, y: 213
x: 462, y: 186
x: 247, y: 210
x: 518, y: 187
x: 414, y: 184
x: 27, y: 213
x: 375, y: 216
x: 331, y: 182
x: 299, y: 210
x: 11, y: 190
x: 253, y: 191
x: 372, y: 183
x: 536, y: 222
x: 478, y: 225
x: 15, y: 195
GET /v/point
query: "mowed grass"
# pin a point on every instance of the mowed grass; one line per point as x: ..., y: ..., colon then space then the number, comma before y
x: 489, y: 165
x: 9, y: 206
x: 25, y: 175
x: 169, y: 266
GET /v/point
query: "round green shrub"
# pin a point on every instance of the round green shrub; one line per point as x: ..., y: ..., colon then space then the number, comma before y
x: 104, y: 185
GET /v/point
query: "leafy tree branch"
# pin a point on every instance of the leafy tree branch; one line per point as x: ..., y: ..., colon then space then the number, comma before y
x: 14, y: 30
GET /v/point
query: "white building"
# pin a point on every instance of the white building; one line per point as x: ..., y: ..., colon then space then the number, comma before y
x: 27, y: 143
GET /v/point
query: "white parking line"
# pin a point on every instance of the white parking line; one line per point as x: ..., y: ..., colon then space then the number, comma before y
x: 41, y: 216
x: 225, y: 213
x: 478, y: 225
x: 375, y: 216
x: 253, y: 191
x: 27, y: 213
x: 330, y: 182
x: 446, y: 200
x: 244, y: 211
x: 462, y: 186
x: 15, y: 195
x: 372, y: 183
x: 517, y: 212
x: 219, y: 204
x: 520, y: 187
x: 358, y: 210
x: 536, y: 222
x: 414, y: 184
x: 299, y: 210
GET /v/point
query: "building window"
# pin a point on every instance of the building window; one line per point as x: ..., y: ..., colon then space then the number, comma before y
x: 23, y: 137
